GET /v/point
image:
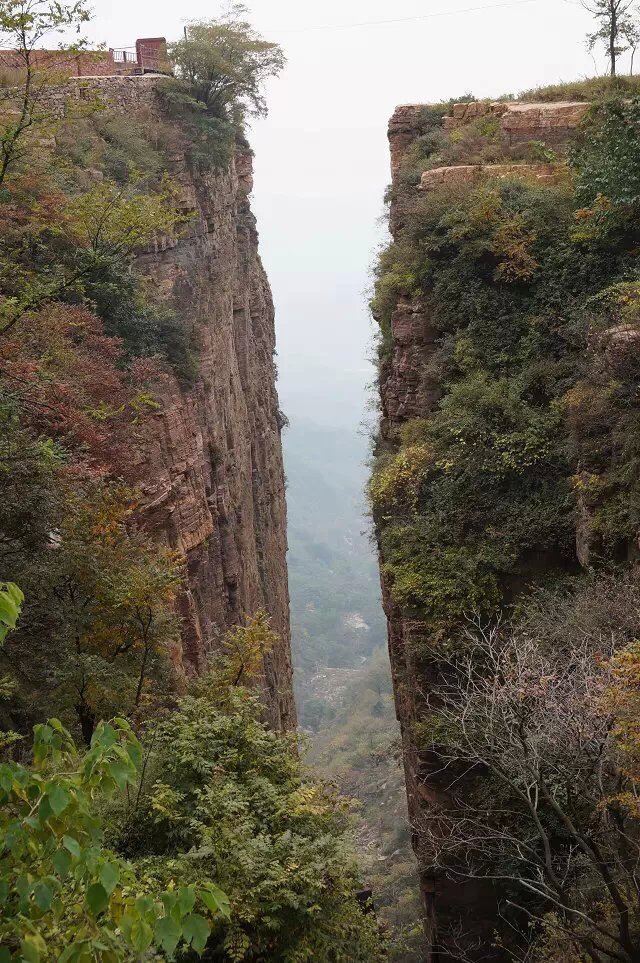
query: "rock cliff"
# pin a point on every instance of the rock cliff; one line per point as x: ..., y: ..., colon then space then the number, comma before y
x: 210, y: 465
x: 409, y: 390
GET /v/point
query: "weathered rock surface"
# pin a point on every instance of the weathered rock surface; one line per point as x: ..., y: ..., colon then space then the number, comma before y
x: 469, y: 174
x: 551, y: 123
x: 548, y: 122
x: 210, y: 465
x: 408, y: 390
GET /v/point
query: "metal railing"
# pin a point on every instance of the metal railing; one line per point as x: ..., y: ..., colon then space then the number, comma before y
x: 125, y: 56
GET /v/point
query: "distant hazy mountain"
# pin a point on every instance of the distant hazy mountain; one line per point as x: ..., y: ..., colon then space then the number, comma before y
x: 336, y: 613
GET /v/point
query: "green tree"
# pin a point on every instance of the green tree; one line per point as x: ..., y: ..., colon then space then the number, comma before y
x: 24, y: 110
x: 101, y: 227
x: 62, y: 893
x: 607, y: 167
x: 226, y: 796
x: 614, y: 21
x: 11, y: 599
x: 225, y: 63
x: 100, y: 622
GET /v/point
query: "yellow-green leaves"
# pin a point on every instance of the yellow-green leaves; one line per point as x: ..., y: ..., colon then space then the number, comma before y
x: 113, y: 220
x: 62, y: 894
x: 11, y: 599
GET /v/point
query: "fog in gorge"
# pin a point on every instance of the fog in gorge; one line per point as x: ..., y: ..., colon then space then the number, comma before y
x: 321, y: 157
x: 321, y: 169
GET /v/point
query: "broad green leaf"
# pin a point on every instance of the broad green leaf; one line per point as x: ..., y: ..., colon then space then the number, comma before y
x: 145, y: 905
x: 168, y: 934
x: 215, y: 900
x: 72, y: 845
x: 104, y: 737
x: 33, y: 948
x: 121, y: 773
x: 44, y: 809
x: 61, y: 862
x: 42, y: 895
x: 134, y: 749
x: 11, y: 599
x: 59, y: 798
x: 126, y: 927
x: 186, y: 899
x: 6, y: 777
x: 196, y: 931
x: 5, y: 955
x: 97, y: 898
x: 141, y: 936
x: 109, y: 876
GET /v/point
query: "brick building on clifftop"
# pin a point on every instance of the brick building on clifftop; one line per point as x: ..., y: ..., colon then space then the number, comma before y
x: 149, y: 55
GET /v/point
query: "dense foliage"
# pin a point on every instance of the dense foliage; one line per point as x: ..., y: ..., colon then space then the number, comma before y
x: 523, y: 284
x: 214, y: 837
x: 221, y: 67
x: 228, y: 796
x: 525, y: 470
x: 184, y: 825
x: 63, y: 895
x: 544, y: 706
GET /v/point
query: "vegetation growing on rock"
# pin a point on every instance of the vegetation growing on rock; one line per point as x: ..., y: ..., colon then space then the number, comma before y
x: 184, y: 825
x: 520, y: 473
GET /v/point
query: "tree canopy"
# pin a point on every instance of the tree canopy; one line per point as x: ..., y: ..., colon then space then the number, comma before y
x: 226, y: 63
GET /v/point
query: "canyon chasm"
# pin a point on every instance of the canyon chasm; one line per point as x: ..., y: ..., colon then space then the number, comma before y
x: 170, y: 798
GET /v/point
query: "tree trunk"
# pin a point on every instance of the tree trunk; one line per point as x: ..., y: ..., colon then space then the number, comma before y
x: 87, y: 720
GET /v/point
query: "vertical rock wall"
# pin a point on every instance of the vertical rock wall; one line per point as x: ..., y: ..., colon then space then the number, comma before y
x: 210, y: 466
x: 408, y: 391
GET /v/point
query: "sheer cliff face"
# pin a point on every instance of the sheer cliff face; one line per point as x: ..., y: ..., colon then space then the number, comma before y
x: 409, y: 390
x: 210, y: 467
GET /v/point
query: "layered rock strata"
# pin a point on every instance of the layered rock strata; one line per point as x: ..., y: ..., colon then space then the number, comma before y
x: 210, y: 463
x: 407, y: 391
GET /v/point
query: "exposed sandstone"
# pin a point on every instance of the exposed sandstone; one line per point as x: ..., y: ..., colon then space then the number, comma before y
x: 469, y: 174
x: 409, y: 390
x: 548, y: 122
x: 551, y: 123
x: 405, y: 125
x: 210, y: 463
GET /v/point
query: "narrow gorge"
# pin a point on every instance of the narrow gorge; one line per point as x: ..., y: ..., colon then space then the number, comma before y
x: 153, y: 799
x: 321, y: 647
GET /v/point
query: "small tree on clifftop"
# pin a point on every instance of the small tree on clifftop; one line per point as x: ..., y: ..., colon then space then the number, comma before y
x: 226, y: 62
x: 615, y: 27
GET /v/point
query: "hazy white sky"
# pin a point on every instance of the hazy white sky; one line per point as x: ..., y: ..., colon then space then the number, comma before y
x: 321, y: 154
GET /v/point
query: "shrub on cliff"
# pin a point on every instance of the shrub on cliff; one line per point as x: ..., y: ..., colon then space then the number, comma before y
x: 607, y: 166
x: 227, y: 798
x: 522, y: 472
x: 25, y: 116
x: 221, y: 68
x: 122, y: 850
x: 513, y: 277
x: 545, y: 709
x: 63, y: 894
x: 225, y: 62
